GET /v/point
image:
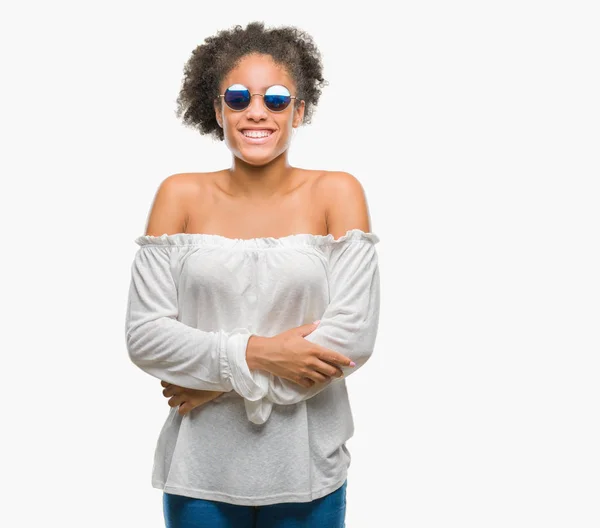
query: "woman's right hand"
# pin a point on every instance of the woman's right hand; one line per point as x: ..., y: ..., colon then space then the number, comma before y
x: 290, y: 356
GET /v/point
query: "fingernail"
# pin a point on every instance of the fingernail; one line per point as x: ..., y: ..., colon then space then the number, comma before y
x: 352, y: 364
x: 317, y: 321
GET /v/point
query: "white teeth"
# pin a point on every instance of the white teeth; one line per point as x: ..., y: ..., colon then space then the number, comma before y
x: 256, y: 133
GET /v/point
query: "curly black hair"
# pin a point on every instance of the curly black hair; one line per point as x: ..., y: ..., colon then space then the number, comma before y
x: 219, y: 54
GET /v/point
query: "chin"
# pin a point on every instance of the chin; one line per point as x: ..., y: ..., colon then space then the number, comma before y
x: 256, y: 161
x: 257, y: 158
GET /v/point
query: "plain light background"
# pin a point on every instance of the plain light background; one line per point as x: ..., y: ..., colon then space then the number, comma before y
x: 474, y: 128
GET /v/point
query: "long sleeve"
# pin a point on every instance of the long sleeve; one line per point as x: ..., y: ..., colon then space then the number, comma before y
x: 349, y: 324
x: 161, y: 345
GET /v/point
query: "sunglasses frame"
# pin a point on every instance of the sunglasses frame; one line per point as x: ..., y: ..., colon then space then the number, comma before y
x: 262, y: 95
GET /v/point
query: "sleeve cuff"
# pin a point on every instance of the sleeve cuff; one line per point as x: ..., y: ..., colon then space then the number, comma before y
x: 252, y: 386
x: 258, y: 412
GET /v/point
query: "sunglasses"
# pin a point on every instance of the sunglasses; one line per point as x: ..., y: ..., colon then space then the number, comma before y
x: 276, y: 98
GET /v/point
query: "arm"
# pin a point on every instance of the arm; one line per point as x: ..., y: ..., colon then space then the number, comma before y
x: 349, y: 324
x: 157, y: 342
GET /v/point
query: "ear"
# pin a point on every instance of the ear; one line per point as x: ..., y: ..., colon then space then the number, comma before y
x: 217, y: 106
x: 298, y: 114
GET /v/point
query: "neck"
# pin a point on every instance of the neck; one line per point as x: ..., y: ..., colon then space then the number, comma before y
x: 265, y: 181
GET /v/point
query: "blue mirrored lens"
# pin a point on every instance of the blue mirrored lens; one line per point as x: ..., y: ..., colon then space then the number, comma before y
x: 277, y: 98
x: 237, y: 97
x: 277, y: 102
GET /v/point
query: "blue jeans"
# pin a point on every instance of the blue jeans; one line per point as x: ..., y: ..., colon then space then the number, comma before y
x: 186, y: 512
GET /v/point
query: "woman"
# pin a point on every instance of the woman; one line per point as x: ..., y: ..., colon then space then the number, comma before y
x: 234, y: 266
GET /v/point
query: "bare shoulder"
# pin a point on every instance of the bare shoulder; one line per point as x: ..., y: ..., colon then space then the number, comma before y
x: 345, y: 202
x: 169, y: 211
x: 334, y: 182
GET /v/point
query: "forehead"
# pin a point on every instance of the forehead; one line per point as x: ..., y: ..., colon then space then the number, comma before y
x: 258, y: 72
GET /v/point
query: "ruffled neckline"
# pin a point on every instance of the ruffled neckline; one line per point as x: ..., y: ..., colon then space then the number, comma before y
x: 302, y: 239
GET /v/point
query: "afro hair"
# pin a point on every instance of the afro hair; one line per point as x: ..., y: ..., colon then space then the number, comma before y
x: 211, y: 61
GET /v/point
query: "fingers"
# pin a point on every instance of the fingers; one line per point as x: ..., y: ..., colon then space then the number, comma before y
x: 335, y: 358
x: 317, y: 377
x: 170, y: 390
x: 319, y: 373
x: 188, y: 399
x: 304, y: 382
x: 176, y: 400
x: 331, y: 371
x: 308, y: 328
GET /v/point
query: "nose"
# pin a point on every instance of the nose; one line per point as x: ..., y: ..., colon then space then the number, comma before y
x: 256, y: 109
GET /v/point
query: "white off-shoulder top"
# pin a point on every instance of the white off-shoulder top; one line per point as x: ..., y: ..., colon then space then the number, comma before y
x: 194, y: 301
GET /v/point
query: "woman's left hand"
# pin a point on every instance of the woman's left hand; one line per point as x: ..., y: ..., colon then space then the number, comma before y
x: 187, y: 399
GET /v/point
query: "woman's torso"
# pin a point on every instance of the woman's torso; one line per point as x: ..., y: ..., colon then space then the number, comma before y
x: 215, y: 452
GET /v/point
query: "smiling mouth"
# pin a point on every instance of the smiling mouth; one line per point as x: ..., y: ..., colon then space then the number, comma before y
x: 257, y: 136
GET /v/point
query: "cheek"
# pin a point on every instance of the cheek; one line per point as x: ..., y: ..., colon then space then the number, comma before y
x: 229, y: 128
x: 285, y: 124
